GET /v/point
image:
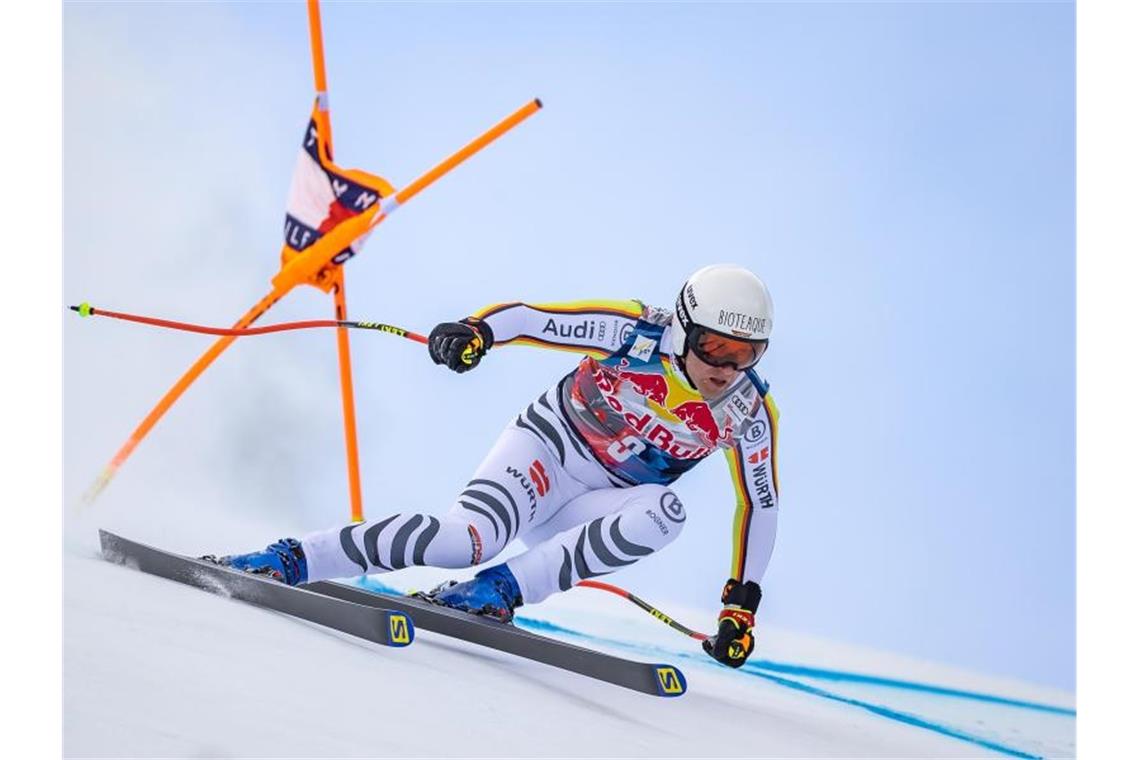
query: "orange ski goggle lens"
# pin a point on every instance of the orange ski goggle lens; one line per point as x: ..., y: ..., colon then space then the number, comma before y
x: 723, y: 351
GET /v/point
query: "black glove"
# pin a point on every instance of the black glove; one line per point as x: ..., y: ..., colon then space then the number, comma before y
x: 460, y: 345
x: 733, y: 641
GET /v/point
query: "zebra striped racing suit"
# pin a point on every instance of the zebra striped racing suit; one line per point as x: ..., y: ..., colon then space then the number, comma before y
x: 581, y: 476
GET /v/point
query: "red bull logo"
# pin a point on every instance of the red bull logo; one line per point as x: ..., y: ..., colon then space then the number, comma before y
x: 696, y: 415
x: 699, y: 418
x: 653, y: 387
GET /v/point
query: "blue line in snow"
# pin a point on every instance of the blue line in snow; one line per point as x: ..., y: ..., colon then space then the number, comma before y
x: 902, y: 717
x: 760, y: 668
x: 886, y: 712
x: 839, y: 675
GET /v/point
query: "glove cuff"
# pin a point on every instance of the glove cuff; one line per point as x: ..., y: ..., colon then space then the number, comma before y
x: 742, y: 619
x: 485, y: 331
x: 744, y: 595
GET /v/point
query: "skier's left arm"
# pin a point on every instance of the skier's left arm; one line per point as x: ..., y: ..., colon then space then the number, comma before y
x: 594, y: 327
x: 752, y: 464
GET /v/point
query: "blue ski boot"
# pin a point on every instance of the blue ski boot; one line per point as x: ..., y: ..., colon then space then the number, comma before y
x: 493, y: 592
x: 282, y: 561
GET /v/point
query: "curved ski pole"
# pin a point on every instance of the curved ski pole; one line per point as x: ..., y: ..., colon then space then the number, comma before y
x: 87, y: 310
x: 647, y: 607
x: 304, y: 268
x: 176, y: 391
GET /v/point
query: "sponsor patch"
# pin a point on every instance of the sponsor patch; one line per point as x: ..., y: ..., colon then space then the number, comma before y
x: 585, y: 330
x: 661, y: 526
x: 738, y: 407
x: 758, y: 456
x: 734, y: 321
x: 756, y: 431
x: 761, y: 493
x: 528, y: 486
x: 671, y: 506
x: 692, y: 297
x: 643, y: 348
x: 538, y: 475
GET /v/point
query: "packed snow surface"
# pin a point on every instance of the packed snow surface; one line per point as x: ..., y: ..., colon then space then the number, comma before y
x: 157, y: 669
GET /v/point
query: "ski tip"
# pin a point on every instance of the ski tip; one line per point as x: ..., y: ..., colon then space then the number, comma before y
x: 401, y: 630
x: 670, y: 681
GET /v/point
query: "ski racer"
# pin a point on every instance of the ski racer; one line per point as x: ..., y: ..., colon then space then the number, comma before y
x: 581, y: 477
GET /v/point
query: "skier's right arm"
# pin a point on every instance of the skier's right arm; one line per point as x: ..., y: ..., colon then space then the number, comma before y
x: 593, y: 327
x: 752, y: 463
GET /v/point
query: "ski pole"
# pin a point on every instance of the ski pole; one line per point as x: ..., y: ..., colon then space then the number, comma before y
x: 87, y: 310
x: 647, y: 607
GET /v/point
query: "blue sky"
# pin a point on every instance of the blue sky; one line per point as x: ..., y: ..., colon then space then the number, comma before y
x: 901, y: 175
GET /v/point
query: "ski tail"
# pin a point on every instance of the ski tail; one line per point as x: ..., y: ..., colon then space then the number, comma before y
x: 393, y: 628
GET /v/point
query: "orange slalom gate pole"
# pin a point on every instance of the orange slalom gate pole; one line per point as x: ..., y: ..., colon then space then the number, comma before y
x: 317, y: 45
x: 306, y: 268
x: 464, y: 153
x: 348, y: 403
x: 172, y: 395
x: 344, y: 357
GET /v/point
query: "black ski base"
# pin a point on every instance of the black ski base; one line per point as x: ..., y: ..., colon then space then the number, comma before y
x: 656, y: 679
x: 370, y: 622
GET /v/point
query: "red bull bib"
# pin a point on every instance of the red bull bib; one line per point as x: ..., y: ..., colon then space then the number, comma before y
x: 642, y: 419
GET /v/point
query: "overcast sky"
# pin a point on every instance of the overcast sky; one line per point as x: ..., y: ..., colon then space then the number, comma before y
x: 900, y: 175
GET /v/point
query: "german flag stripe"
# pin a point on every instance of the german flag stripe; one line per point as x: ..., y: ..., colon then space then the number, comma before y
x: 495, y: 309
x: 629, y: 309
x: 743, y: 518
x: 773, y: 424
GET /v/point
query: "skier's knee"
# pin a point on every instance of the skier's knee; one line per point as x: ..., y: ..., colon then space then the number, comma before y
x: 656, y: 516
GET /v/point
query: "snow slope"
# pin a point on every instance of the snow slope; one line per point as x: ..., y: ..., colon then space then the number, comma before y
x: 156, y: 669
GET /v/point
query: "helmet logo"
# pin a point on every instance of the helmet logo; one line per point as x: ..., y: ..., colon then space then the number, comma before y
x: 682, y: 312
x: 734, y: 321
x: 692, y: 297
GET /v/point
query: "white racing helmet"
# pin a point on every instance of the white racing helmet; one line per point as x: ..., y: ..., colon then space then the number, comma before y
x: 723, y: 315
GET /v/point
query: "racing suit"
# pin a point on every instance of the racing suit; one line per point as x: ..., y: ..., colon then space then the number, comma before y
x: 581, y: 477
